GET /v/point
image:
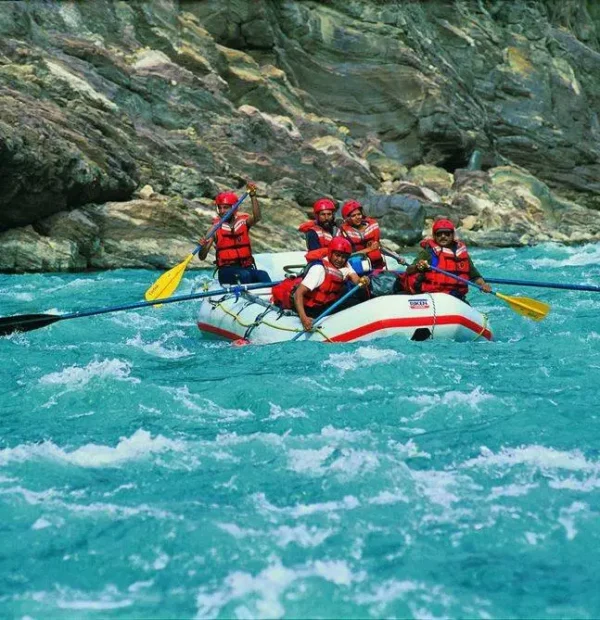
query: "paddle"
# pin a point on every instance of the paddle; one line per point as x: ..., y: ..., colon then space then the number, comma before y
x: 29, y: 322
x: 166, y: 285
x: 397, y: 257
x: 525, y: 306
x: 568, y: 287
x: 327, y: 312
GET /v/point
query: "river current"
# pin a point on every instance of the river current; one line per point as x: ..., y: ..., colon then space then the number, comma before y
x: 148, y: 471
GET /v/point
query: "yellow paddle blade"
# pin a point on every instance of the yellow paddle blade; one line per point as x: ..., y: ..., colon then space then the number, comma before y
x: 166, y: 285
x: 531, y: 308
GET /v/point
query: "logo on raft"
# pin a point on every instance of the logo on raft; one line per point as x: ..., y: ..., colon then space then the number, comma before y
x: 418, y: 304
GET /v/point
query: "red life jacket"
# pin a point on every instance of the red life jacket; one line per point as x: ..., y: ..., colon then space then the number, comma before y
x: 316, y: 255
x: 453, y: 260
x: 329, y: 290
x: 324, y: 238
x: 232, y: 243
x: 360, y: 238
x: 282, y: 293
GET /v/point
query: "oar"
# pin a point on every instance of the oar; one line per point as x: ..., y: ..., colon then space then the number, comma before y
x: 166, y: 285
x: 29, y: 322
x: 393, y: 255
x: 568, y: 287
x: 327, y: 312
x: 525, y: 306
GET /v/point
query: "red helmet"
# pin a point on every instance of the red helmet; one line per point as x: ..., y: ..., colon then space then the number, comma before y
x: 226, y: 198
x: 339, y: 244
x: 442, y: 225
x: 349, y: 207
x: 323, y: 204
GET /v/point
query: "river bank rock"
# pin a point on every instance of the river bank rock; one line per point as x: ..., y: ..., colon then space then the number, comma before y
x: 155, y: 232
x: 502, y: 207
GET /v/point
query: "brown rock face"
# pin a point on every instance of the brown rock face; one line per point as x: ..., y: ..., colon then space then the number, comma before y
x: 434, y: 81
x: 51, y: 160
x: 383, y: 101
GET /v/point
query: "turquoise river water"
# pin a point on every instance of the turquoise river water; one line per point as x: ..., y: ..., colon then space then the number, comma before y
x: 147, y: 471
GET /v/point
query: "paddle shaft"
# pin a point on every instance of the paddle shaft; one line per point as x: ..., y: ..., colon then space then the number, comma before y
x: 142, y: 304
x: 459, y: 279
x: 393, y: 255
x: 568, y: 287
x: 211, y: 233
x: 29, y: 322
x: 328, y: 311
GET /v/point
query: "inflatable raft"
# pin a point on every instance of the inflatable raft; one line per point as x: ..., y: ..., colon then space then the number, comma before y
x: 414, y: 317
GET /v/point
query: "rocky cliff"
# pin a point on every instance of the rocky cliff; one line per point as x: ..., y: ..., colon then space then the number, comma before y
x: 485, y: 111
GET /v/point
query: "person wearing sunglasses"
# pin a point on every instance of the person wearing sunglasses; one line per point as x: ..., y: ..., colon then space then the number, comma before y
x: 446, y: 252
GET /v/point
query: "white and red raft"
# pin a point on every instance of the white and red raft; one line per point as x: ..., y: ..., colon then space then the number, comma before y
x: 414, y: 317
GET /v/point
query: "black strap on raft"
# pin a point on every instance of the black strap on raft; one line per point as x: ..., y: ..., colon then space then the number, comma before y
x: 289, y: 269
x: 259, y: 317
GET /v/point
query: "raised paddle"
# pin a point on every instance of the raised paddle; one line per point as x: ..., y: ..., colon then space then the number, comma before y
x: 29, y: 322
x: 328, y: 312
x: 567, y: 287
x: 525, y: 306
x: 166, y: 285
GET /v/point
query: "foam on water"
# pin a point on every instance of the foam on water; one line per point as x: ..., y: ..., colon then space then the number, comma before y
x: 439, y: 487
x: 387, y: 497
x: 82, y: 283
x: 309, y: 461
x: 23, y: 296
x: 588, y: 485
x: 303, y: 510
x: 277, y: 412
x: 345, y: 434
x: 77, y: 377
x: 284, y: 535
x: 363, y: 357
x: 139, y: 320
x: 452, y: 399
x: 41, y: 524
x: 161, y: 348
x: 205, y: 406
x: 266, y: 589
x: 65, y: 598
x: 569, y: 517
x: 534, y: 456
x: 348, y: 464
x: 572, y: 257
x: 139, y: 446
x: 146, y: 470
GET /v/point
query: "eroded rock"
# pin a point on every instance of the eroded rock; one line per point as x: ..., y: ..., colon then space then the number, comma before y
x: 171, y: 103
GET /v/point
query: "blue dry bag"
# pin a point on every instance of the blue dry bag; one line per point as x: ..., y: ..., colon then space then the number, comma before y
x: 360, y: 264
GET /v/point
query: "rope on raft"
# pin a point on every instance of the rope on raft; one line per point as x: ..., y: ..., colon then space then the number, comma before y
x: 260, y: 319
